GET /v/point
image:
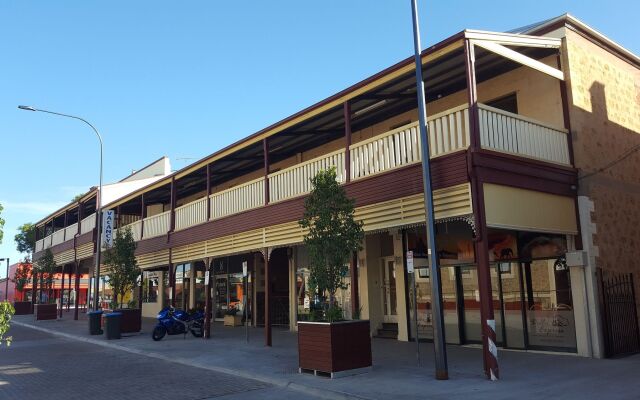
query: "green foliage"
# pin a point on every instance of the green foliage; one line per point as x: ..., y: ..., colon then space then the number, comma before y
x: 121, y: 261
x: 333, y: 235
x: 26, y: 238
x: 334, y: 314
x: 1, y: 224
x: 6, y: 312
x: 357, y: 314
x: 77, y: 197
x: 22, y: 276
x: 46, y: 268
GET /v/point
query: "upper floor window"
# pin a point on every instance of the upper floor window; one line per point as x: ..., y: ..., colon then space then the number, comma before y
x: 507, y: 103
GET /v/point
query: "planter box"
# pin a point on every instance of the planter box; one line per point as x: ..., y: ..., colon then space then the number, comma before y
x: 23, y: 307
x: 46, y: 311
x: 336, y: 348
x: 131, y: 321
x: 233, y: 320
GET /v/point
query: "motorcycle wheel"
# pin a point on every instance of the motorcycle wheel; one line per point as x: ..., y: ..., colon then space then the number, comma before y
x: 158, y: 333
x: 197, y: 330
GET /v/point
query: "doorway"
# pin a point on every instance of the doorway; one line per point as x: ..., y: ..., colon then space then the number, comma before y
x: 389, y: 290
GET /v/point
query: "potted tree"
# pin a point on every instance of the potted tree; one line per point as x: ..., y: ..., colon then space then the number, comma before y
x: 21, y: 278
x: 46, y: 268
x: 329, y: 344
x: 124, y: 273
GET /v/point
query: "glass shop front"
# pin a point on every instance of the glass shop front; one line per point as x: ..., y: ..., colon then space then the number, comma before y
x: 530, y: 281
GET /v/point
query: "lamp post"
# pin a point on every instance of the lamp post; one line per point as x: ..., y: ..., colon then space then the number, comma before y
x: 442, y: 371
x: 99, y: 197
x: 6, y: 284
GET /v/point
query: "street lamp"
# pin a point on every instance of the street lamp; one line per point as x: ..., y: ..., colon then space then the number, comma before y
x: 99, y: 197
x: 6, y: 285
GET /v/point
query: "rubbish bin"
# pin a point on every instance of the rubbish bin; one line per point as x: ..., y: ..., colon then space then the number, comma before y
x: 95, y: 322
x: 112, y: 325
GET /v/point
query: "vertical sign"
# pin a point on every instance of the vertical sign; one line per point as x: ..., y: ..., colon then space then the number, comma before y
x: 244, y: 300
x: 244, y: 268
x: 108, y: 219
x: 410, y: 262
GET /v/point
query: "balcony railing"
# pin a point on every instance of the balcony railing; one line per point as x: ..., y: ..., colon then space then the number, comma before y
x: 88, y: 224
x: 512, y: 133
x: 70, y: 231
x: 237, y: 199
x: 136, y: 229
x: 57, y: 237
x: 296, y: 180
x: 157, y: 225
x: 448, y: 132
x: 191, y: 214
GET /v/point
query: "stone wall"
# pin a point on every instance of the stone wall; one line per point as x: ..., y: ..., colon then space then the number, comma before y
x: 604, y: 108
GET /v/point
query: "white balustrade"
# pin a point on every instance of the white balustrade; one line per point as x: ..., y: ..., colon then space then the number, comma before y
x: 57, y: 237
x: 70, y: 231
x: 512, y: 133
x: 296, y: 180
x: 88, y: 223
x: 40, y: 245
x: 47, y: 241
x: 384, y: 152
x: 448, y: 131
x: 191, y: 214
x: 157, y: 225
x: 136, y: 230
x: 237, y: 199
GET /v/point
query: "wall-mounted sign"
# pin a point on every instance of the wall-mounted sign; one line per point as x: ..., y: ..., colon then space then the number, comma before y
x: 108, y: 225
x: 244, y: 268
x: 410, y: 262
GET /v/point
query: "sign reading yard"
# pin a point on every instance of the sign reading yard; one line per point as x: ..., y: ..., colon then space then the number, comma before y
x: 108, y: 219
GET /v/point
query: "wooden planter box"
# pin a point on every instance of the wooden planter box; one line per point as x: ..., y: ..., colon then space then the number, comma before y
x: 131, y: 321
x: 233, y: 320
x: 23, y: 307
x: 337, y: 348
x: 46, y: 311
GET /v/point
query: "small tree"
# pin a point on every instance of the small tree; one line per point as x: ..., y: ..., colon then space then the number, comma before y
x: 6, y: 312
x: 26, y: 239
x: 22, y: 277
x: 333, y: 236
x: 46, y: 268
x: 1, y: 224
x: 121, y: 261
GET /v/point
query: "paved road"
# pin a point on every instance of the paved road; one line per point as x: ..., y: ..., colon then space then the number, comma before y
x: 42, y: 366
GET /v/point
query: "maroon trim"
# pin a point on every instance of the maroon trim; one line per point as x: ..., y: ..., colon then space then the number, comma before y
x: 347, y: 136
x: 143, y: 215
x: 265, y: 152
x: 208, y: 192
x: 355, y: 297
x: 172, y: 221
x: 509, y: 170
x: 267, y: 299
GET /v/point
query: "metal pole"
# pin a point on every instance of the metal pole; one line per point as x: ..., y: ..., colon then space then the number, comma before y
x: 415, y: 316
x: 99, y: 196
x: 438, y: 323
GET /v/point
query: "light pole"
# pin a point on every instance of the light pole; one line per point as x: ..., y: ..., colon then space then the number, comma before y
x: 99, y: 198
x: 439, y: 347
x: 6, y: 285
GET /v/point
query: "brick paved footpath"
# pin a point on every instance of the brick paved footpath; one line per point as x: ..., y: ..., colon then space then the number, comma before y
x: 39, y: 366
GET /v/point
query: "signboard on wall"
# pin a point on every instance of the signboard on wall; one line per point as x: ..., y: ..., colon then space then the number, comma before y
x: 410, y: 262
x: 108, y: 225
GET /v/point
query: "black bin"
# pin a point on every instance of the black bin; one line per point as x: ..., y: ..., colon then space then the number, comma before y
x: 112, y: 325
x: 95, y: 322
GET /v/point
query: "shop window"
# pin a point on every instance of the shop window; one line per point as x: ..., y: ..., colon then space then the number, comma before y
x: 150, y: 286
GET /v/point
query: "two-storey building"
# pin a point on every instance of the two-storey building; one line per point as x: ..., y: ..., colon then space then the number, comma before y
x: 506, y: 134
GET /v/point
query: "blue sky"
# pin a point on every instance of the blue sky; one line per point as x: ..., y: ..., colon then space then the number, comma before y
x: 183, y: 79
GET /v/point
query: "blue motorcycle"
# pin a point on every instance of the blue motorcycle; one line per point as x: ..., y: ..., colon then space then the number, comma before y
x: 172, y: 321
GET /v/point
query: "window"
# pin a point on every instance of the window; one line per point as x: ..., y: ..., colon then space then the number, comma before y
x: 507, y: 103
x: 150, y: 286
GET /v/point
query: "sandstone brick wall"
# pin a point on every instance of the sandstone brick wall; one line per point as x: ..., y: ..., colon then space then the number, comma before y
x: 604, y: 102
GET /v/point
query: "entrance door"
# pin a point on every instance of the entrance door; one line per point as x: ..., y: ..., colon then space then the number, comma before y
x: 389, y: 296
